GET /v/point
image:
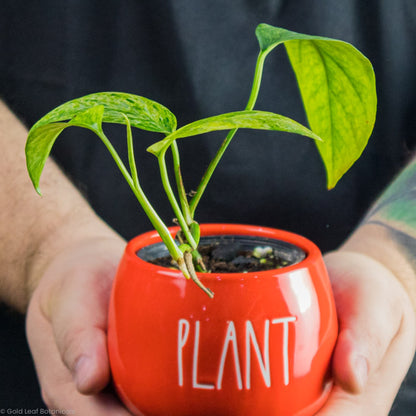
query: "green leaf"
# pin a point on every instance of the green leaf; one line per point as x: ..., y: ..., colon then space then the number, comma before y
x: 143, y: 113
x: 261, y: 120
x: 42, y: 138
x: 92, y: 119
x: 90, y: 112
x: 38, y: 148
x: 270, y: 36
x: 337, y: 84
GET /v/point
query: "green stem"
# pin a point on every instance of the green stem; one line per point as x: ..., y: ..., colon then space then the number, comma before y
x: 179, y: 183
x: 130, y: 150
x: 258, y: 73
x: 173, y: 202
x: 214, y: 162
x: 144, y: 202
x: 210, y: 170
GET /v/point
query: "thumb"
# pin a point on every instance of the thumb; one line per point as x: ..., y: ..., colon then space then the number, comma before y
x: 367, y: 297
x: 79, y: 324
x: 83, y: 351
x: 76, y: 307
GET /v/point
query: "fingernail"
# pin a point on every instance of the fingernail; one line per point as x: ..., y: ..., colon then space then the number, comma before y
x: 361, y: 371
x: 81, y: 371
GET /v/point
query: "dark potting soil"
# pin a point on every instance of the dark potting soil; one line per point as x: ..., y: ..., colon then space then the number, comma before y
x: 232, y: 258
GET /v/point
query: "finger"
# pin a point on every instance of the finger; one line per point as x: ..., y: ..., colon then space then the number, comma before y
x: 58, y: 389
x: 79, y: 324
x: 383, y: 384
x: 76, y: 305
x: 366, y: 295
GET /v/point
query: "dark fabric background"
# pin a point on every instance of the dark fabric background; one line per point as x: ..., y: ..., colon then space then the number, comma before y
x: 197, y: 58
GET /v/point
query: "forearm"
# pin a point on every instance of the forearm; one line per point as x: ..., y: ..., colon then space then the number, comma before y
x: 34, y: 229
x: 388, y: 232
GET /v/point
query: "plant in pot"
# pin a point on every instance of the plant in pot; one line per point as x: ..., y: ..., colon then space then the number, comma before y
x: 263, y: 343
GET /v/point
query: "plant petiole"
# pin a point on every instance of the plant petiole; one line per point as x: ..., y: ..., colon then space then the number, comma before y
x: 179, y: 183
x: 154, y: 218
x: 175, y: 206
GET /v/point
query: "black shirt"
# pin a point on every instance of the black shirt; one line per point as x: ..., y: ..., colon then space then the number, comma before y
x: 197, y: 58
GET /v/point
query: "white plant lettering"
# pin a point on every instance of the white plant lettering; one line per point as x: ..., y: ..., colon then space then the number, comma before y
x: 230, y: 343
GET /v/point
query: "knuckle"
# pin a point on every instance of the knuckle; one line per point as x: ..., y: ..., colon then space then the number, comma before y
x: 69, y: 346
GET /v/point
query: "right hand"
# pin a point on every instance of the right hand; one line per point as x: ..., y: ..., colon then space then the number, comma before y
x: 67, y: 326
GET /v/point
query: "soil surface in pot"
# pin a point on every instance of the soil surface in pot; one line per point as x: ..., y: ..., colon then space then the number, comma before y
x: 234, y: 257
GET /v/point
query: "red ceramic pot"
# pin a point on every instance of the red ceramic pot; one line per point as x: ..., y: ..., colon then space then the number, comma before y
x: 261, y: 346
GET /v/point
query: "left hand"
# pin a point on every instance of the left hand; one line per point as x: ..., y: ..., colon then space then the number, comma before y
x: 377, y: 336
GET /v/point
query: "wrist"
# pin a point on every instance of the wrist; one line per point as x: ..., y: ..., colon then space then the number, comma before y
x: 79, y: 225
x: 375, y: 241
x: 35, y: 229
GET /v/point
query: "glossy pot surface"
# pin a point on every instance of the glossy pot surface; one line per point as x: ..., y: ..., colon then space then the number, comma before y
x: 261, y: 346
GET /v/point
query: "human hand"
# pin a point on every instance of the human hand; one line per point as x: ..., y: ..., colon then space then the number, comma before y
x: 377, y: 336
x: 66, y: 328
x: 67, y: 320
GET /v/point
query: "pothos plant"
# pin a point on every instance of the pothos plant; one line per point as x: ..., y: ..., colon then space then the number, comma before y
x: 337, y: 86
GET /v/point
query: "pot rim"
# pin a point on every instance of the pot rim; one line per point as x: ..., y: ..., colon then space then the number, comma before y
x: 312, y: 252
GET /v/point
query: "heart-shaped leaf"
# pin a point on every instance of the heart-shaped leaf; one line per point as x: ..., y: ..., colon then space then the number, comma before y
x: 337, y: 84
x: 90, y: 112
x: 249, y: 119
x: 42, y: 138
x: 143, y: 113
